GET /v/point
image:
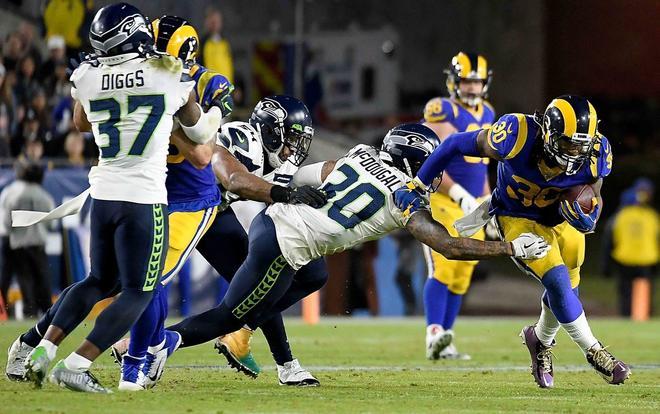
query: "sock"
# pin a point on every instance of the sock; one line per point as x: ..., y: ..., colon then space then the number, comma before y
x: 547, y: 327
x: 273, y: 330
x: 433, y: 329
x: 580, y: 333
x: 454, y: 302
x: 77, y: 362
x: 31, y: 337
x: 562, y: 300
x: 51, y: 348
x: 435, y: 300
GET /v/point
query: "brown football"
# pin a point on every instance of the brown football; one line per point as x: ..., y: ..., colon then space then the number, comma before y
x: 583, y: 194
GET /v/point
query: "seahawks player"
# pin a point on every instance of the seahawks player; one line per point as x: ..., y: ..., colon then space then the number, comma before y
x: 127, y: 97
x: 539, y: 157
x: 463, y: 182
x: 254, y: 162
x: 360, y: 188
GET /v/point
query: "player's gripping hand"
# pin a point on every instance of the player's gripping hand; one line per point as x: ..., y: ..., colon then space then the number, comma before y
x: 573, y: 214
x: 530, y: 246
x: 409, y: 198
x: 305, y: 194
x: 222, y: 99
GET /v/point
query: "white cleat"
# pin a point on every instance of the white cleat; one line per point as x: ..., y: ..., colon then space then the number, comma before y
x: 450, y: 352
x: 291, y: 373
x: 437, y: 339
x: 16, y: 357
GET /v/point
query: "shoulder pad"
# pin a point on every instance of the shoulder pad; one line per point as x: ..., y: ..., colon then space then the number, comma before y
x: 361, y: 148
x: 440, y: 110
x: 243, y: 142
x: 600, y: 164
x: 508, y: 135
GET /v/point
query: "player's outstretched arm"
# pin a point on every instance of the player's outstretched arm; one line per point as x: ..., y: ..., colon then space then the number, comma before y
x: 472, y: 144
x: 433, y: 234
x: 198, y: 155
x: 199, y: 126
x: 80, y: 118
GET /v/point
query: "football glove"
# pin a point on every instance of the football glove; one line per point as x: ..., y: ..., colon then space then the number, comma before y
x: 222, y: 99
x: 464, y: 199
x: 409, y: 198
x: 573, y: 214
x: 305, y: 194
x: 529, y: 246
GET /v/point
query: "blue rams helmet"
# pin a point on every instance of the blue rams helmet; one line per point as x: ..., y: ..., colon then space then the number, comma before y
x: 570, y: 130
x: 283, y: 121
x: 119, y: 32
x: 407, y: 146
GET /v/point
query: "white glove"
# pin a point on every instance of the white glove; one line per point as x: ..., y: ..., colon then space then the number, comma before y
x: 530, y: 246
x: 463, y: 198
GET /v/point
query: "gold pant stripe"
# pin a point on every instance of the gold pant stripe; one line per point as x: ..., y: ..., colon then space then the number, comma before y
x: 186, y: 230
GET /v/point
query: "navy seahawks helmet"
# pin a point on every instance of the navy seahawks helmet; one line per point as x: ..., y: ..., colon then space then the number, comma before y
x: 119, y: 32
x: 407, y: 146
x: 283, y: 121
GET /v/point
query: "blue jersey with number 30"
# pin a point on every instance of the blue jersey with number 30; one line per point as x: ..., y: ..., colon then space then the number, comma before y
x: 523, y: 189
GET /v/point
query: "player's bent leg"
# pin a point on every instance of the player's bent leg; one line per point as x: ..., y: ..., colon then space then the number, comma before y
x: 457, y: 289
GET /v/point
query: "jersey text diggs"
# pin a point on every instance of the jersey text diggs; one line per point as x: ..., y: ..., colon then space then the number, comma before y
x: 122, y: 80
x: 375, y: 168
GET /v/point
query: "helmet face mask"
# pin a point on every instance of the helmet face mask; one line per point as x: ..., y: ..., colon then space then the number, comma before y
x: 569, y: 132
x: 283, y: 121
x: 407, y: 146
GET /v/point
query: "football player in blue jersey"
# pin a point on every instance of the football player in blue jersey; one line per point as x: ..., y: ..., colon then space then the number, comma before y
x: 539, y: 157
x: 464, y: 181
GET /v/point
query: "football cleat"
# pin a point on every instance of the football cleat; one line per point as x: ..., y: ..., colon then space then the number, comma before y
x: 132, y: 376
x: 437, y: 339
x: 36, y: 366
x: 612, y: 370
x: 16, y: 357
x: 119, y: 349
x: 236, y: 348
x: 75, y: 380
x: 541, y: 356
x: 452, y: 353
x: 155, y: 363
x: 291, y: 373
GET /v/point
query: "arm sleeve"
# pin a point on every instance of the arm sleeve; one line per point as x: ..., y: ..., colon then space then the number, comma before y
x: 463, y: 143
x: 308, y: 175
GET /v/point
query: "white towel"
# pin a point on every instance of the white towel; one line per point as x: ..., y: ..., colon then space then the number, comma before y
x: 471, y: 223
x: 25, y: 218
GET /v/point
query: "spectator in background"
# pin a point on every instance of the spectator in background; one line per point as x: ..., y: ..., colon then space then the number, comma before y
x: 74, y: 147
x: 65, y: 18
x: 216, y: 52
x: 56, y: 53
x: 7, y: 124
x: 12, y: 51
x: 631, y: 241
x: 26, y: 34
x: 26, y: 80
x: 28, y: 244
x: 28, y: 131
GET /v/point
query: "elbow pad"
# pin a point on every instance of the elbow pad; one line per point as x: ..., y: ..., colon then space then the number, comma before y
x: 206, y: 127
x: 463, y: 143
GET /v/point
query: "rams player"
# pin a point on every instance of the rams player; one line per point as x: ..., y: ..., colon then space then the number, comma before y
x: 539, y: 157
x: 464, y: 181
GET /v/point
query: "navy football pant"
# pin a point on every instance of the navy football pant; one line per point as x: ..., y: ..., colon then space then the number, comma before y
x: 262, y: 286
x: 128, y: 244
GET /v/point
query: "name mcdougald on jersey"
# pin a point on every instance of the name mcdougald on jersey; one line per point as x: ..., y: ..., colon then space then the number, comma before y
x: 360, y: 208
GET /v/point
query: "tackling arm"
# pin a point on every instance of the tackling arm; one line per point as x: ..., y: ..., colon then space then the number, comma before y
x: 235, y: 178
x: 433, y: 234
x: 198, y: 155
x: 199, y: 126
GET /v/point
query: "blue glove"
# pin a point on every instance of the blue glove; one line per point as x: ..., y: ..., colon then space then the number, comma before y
x: 409, y: 199
x: 573, y: 214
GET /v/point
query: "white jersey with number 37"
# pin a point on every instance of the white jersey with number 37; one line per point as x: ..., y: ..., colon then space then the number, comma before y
x: 360, y: 207
x: 131, y: 108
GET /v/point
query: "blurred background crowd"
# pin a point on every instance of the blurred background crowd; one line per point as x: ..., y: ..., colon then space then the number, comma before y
x: 361, y: 67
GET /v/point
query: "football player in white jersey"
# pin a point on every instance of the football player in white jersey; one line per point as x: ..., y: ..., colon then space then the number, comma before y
x: 128, y: 97
x: 254, y: 162
x: 361, y: 190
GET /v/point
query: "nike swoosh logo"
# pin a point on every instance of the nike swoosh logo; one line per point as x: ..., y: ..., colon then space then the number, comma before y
x: 527, y: 246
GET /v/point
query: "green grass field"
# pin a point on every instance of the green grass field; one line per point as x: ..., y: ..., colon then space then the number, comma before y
x: 367, y: 365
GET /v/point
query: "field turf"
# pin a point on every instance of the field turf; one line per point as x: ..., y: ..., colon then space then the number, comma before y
x: 368, y: 365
